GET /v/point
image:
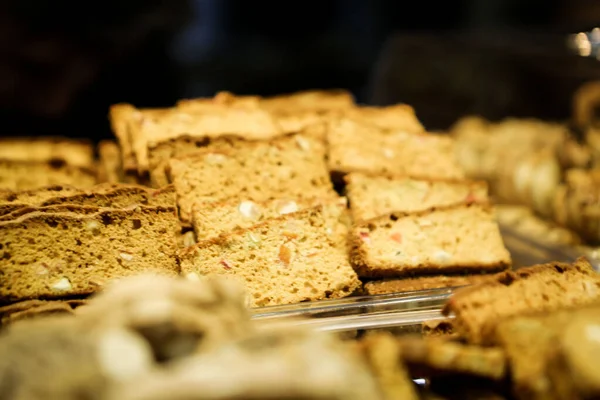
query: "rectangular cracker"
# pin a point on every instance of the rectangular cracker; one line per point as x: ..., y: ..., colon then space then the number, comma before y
x: 354, y: 146
x: 291, y: 166
x: 52, y: 255
x: 281, y: 261
x: 540, y: 288
x: 373, y: 196
x: 461, y: 238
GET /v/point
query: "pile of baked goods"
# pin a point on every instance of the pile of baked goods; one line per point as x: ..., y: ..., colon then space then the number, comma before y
x: 126, y: 270
x: 543, y: 166
x: 526, y: 334
x: 243, y: 187
x: 549, y: 171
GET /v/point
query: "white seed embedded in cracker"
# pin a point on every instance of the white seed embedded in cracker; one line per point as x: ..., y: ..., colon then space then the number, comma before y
x: 424, y: 223
x: 93, y: 226
x: 189, y: 239
x: 303, y: 143
x: 442, y: 256
x: 249, y: 210
x: 62, y: 284
x: 215, y: 158
x: 254, y: 238
x: 286, y: 207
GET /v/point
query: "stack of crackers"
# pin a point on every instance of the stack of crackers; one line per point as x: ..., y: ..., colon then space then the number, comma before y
x: 252, y: 189
x: 527, y: 334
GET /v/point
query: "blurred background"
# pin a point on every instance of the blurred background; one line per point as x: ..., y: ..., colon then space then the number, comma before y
x: 63, y: 63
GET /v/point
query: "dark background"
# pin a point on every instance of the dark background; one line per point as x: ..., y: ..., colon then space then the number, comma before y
x: 62, y: 63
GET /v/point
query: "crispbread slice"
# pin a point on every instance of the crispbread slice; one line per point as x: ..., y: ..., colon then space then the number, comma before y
x: 445, y: 240
x: 399, y: 117
x: 76, y: 153
x: 373, y: 196
x: 51, y: 255
x: 540, y: 288
x: 53, y: 209
x: 441, y: 355
x: 291, y: 166
x: 11, y: 200
x: 24, y: 175
x: 281, y: 261
x: 118, y: 196
x: 110, y: 168
x: 222, y: 97
x: 124, y: 119
x: 36, y: 308
x: 119, y: 116
x: 310, y: 100
x: 384, y: 355
x: 527, y: 223
x: 299, y: 102
x: 211, y: 220
x: 252, y: 124
x: 530, y: 342
x: 354, y: 146
x: 161, y: 152
x: 103, y: 195
x: 552, y: 355
x: 35, y: 196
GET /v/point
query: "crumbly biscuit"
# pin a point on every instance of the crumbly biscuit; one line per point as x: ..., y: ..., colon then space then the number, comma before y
x: 292, y: 166
x: 545, y: 287
x: 373, y: 196
x: 444, y: 356
x: 384, y: 355
x: 354, y: 146
x: 281, y: 261
x: 76, y: 153
x: 446, y: 240
x: 25, y: 175
x: 51, y: 255
x: 211, y: 220
x: 37, y: 308
x: 110, y: 167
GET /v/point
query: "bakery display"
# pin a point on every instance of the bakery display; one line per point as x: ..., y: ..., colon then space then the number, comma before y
x: 232, y: 168
x: 150, y: 263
